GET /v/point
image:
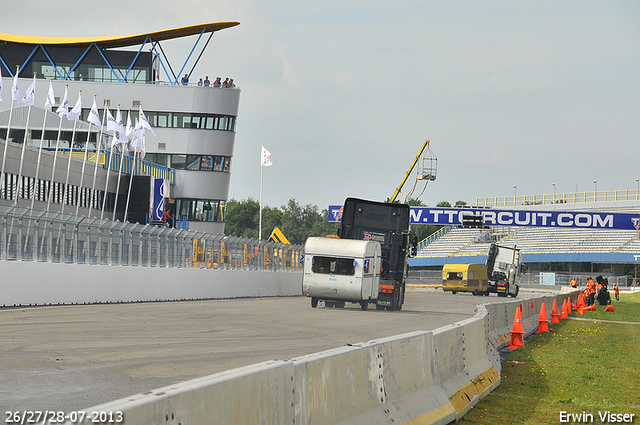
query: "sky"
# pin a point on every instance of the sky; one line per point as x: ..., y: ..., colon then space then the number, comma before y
x: 344, y: 94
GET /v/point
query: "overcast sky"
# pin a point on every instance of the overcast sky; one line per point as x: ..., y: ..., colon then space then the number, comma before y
x: 343, y: 94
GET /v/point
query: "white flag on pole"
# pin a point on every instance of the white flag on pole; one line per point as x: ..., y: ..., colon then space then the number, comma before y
x: 51, y: 98
x: 77, y: 109
x: 111, y: 122
x: 94, y: 118
x: 120, y: 134
x: 145, y: 123
x: 265, y: 159
x: 63, y: 108
x: 128, y: 129
x: 15, y: 93
x: 138, y: 139
x: 112, y: 125
x: 29, y: 95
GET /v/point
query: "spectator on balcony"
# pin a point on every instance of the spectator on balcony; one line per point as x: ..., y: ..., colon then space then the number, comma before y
x: 225, y: 83
x: 206, y: 81
x: 185, y: 80
x: 217, y: 82
x: 200, y: 82
x: 231, y: 85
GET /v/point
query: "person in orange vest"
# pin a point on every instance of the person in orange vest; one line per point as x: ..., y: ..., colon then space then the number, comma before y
x: 591, y: 290
x: 574, y: 283
x: 616, y: 290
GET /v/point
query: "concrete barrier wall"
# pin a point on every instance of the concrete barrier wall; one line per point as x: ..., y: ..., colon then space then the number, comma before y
x: 35, y: 283
x: 421, y: 377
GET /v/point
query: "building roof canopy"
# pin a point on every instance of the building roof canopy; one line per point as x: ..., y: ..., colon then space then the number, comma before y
x: 117, y: 41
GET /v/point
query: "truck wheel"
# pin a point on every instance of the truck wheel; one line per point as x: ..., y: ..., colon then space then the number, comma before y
x: 486, y: 293
x: 401, y: 301
x: 454, y: 292
x: 364, y: 305
x: 314, y: 302
x: 516, y: 292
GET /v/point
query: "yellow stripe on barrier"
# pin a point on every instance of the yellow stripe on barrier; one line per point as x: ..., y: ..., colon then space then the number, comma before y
x: 474, y: 390
x: 433, y: 416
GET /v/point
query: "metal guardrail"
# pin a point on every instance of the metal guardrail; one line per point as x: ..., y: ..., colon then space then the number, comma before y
x: 559, y: 198
x: 27, y: 235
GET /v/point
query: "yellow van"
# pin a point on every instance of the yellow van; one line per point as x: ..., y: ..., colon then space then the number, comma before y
x: 465, y: 278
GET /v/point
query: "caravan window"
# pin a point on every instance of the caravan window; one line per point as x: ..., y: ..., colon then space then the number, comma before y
x: 332, y: 265
x: 454, y: 276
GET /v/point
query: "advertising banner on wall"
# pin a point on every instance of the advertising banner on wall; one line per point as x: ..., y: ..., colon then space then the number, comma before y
x: 160, y: 195
x: 526, y: 218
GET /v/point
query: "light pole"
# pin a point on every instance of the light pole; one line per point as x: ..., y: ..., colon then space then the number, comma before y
x: 554, y: 192
x: 638, y: 188
x: 515, y: 194
x: 595, y: 194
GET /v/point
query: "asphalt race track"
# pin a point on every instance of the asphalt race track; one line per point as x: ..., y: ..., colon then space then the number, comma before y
x: 73, y: 357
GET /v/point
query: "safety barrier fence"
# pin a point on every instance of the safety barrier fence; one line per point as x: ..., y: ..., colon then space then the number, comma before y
x: 54, y: 237
x: 430, y: 377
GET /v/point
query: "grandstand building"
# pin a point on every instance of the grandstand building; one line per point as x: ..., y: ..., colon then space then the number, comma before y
x: 566, y: 251
x: 194, y: 127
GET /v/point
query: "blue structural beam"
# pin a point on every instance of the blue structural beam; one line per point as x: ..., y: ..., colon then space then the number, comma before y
x: 555, y: 257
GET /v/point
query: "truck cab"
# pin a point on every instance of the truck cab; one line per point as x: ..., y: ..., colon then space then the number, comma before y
x: 504, y: 268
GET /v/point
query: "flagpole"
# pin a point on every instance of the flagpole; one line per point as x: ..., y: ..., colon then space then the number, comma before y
x: 24, y: 139
x: 73, y: 139
x: 261, y: 168
x: 135, y: 151
x: 61, y: 113
x: 126, y: 206
x: 118, y: 184
x: 84, y: 157
x: 6, y: 141
x: 117, y: 139
x: 106, y: 183
x: 95, y: 168
x: 44, y: 123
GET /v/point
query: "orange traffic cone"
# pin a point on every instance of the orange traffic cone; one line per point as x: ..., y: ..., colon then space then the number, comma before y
x: 581, y: 311
x: 517, y: 333
x: 554, y: 313
x: 592, y: 307
x: 543, y: 321
x: 563, y: 310
x: 568, y: 305
x: 581, y: 302
x: 609, y: 308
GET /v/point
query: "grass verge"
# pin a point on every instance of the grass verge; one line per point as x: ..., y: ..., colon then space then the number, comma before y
x: 580, y: 367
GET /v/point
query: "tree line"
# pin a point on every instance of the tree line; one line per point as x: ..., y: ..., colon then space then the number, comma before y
x: 298, y: 222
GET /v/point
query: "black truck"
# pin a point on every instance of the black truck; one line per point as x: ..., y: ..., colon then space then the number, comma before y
x: 388, y: 224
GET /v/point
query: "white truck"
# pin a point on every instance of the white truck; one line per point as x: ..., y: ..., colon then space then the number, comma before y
x: 504, y: 268
x: 339, y: 270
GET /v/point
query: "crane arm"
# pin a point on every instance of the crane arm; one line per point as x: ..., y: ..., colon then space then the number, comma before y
x: 404, y: 180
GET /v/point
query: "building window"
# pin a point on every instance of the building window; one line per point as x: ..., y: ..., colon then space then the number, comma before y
x: 201, y: 209
x: 191, y: 162
x: 178, y: 162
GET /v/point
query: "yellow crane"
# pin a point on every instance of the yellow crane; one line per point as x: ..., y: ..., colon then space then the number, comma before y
x: 427, y: 171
